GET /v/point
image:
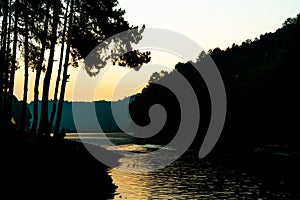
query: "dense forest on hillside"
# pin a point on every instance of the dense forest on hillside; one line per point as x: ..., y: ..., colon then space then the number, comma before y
x: 261, y: 81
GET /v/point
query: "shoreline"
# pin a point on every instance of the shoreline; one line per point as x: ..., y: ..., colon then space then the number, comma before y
x: 43, y: 167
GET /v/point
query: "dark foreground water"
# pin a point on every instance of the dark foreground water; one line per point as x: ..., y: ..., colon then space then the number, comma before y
x: 186, y: 178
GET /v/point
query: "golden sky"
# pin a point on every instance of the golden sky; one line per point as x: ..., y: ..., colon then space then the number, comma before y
x: 113, y: 82
x: 210, y: 23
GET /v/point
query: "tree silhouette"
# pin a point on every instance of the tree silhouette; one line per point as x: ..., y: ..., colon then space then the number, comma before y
x: 65, y: 72
x: 55, y: 98
x: 44, y: 122
x: 4, y: 13
x: 39, y: 27
x: 26, y: 65
x: 260, y: 77
x: 13, y: 65
x: 43, y: 41
x: 90, y: 28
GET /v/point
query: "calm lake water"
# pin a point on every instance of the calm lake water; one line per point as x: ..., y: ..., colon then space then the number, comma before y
x: 186, y: 178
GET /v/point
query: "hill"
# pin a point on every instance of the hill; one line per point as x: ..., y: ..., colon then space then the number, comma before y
x: 261, y: 80
x: 103, y: 112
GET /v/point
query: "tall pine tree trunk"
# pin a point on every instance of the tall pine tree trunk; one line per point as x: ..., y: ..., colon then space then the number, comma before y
x: 65, y: 73
x: 38, y: 72
x: 25, y: 89
x: 44, y: 127
x: 54, y: 103
x: 7, y: 57
x: 4, y: 23
x: 4, y: 26
x: 2, y: 58
x: 13, y: 66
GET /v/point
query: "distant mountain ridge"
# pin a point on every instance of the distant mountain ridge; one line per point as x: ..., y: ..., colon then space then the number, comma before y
x: 103, y: 112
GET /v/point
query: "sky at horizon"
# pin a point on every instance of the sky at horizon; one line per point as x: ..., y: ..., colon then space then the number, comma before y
x: 210, y: 23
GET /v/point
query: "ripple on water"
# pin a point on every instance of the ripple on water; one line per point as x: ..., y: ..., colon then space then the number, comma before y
x: 186, y: 178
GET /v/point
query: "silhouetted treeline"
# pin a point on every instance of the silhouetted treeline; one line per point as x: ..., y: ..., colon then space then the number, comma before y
x: 30, y: 27
x: 261, y: 81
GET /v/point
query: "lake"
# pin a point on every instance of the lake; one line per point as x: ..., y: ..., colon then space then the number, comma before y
x: 186, y: 178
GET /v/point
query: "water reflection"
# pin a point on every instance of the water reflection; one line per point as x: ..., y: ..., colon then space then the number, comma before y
x: 187, y: 178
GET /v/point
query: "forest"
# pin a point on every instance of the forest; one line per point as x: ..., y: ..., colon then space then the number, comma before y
x: 260, y: 75
x: 30, y: 27
x: 260, y: 78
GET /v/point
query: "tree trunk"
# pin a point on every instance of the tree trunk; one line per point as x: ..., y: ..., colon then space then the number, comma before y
x: 4, y: 25
x: 44, y: 127
x: 2, y: 58
x: 7, y: 57
x: 54, y: 103
x: 25, y: 90
x: 13, y: 66
x: 65, y: 74
x: 38, y: 72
